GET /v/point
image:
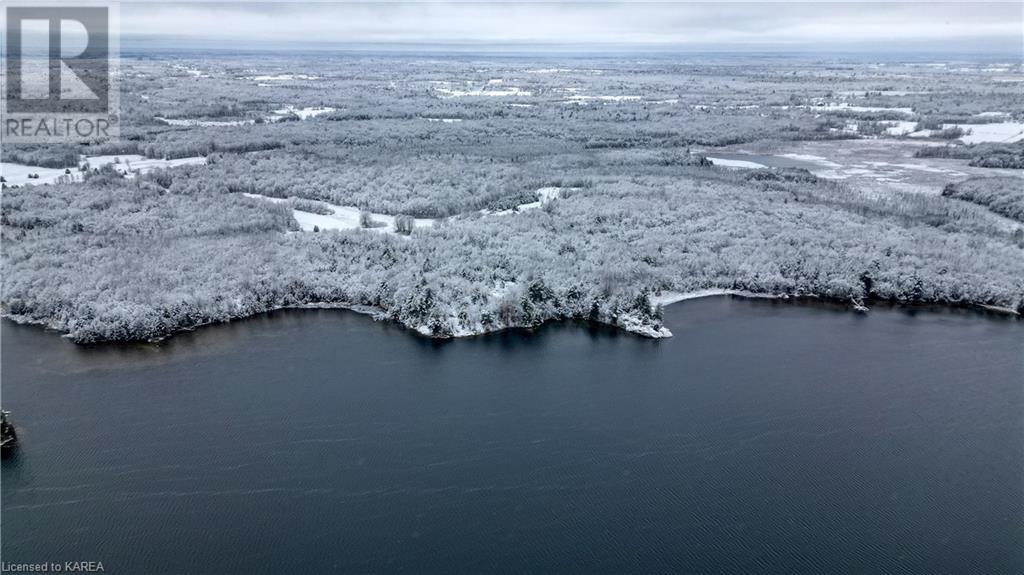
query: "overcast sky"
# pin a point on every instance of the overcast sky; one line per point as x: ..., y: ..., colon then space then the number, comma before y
x: 995, y: 26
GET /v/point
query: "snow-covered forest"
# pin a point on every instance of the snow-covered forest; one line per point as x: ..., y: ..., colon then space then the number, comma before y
x: 614, y: 156
x: 1002, y: 195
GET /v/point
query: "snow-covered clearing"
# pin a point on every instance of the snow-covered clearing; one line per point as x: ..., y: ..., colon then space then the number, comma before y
x: 202, y: 123
x: 191, y: 71
x: 275, y: 116
x: 863, y: 163
x: 919, y: 167
x: 444, y: 90
x: 128, y: 164
x: 544, y: 195
x: 584, y: 99
x: 846, y: 107
x: 819, y: 160
x: 878, y: 170
x: 347, y: 217
x: 132, y: 162
x: 862, y: 93
x: 302, y: 113
x: 905, y: 128
x: 283, y: 77
x: 727, y: 163
x: 341, y: 218
x: 1002, y: 132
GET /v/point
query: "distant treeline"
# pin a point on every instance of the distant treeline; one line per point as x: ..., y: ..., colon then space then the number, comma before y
x: 986, y: 155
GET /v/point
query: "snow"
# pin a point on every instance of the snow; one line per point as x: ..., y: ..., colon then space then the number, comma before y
x: 548, y: 194
x: 820, y: 160
x: 136, y: 162
x: 1000, y: 309
x: 444, y: 120
x: 860, y: 93
x: 201, y: 123
x: 901, y: 128
x: 511, y: 91
x: 583, y: 99
x: 191, y: 71
x: 735, y: 163
x: 889, y: 172
x: 671, y: 297
x: 919, y: 167
x: 304, y: 113
x: 342, y: 218
x: 636, y: 325
x: 544, y: 195
x: 347, y: 217
x: 864, y: 163
x: 283, y: 78
x: 17, y: 174
x: 845, y: 107
x: 1002, y: 132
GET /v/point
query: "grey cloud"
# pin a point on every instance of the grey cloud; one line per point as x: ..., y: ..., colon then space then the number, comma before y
x: 648, y: 23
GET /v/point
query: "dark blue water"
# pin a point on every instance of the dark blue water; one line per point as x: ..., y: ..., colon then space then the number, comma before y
x: 763, y: 438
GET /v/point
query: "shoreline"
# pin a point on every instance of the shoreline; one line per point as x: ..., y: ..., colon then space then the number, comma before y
x: 671, y: 297
x: 628, y: 323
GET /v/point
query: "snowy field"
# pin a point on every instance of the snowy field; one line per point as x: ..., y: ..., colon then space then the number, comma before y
x: 129, y: 165
x: 877, y: 164
x: 731, y: 163
x: 470, y: 89
x: 1002, y: 132
x: 348, y: 217
x: 342, y: 218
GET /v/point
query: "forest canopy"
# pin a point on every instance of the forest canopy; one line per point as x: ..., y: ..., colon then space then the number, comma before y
x: 634, y: 209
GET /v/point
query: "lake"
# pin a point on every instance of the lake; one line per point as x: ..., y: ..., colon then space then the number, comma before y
x: 765, y: 437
